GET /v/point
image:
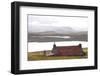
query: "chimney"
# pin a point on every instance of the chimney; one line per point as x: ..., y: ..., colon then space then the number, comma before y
x: 54, y: 45
x: 80, y: 45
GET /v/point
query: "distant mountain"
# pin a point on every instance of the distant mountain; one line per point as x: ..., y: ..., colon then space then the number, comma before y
x: 75, y: 35
x: 55, y: 33
x: 45, y: 28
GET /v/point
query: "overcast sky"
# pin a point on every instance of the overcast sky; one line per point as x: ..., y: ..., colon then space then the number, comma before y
x: 44, y: 22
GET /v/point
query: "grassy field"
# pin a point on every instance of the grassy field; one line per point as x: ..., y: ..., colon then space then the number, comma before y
x: 40, y: 56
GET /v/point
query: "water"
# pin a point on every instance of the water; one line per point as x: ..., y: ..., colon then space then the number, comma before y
x: 53, y: 36
x: 41, y: 46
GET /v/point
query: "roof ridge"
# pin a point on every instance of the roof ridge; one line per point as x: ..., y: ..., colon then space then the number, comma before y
x: 66, y: 46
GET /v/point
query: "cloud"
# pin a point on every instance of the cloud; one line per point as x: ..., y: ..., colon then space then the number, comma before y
x: 44, y: 23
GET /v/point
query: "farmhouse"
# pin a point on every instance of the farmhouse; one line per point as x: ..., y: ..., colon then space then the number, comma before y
x: 67, y: 50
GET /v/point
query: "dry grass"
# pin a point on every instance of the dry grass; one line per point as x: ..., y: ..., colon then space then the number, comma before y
x: 40, y: 56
